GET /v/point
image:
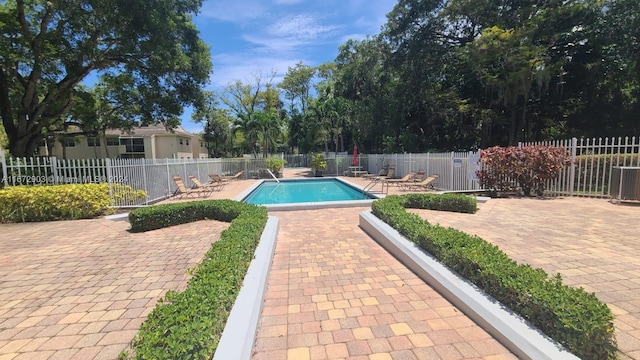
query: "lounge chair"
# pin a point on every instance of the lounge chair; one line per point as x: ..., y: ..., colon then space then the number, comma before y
x: 386, y: 177
x: 234, y: 177
x: 424, y: 185
x: 409, y: 177
x: 183, y: 191
x: 382, y: 172
x: 217, y: 179
x: 198, y: 185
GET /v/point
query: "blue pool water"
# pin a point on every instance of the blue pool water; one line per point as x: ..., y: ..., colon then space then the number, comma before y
x: 302, y: 191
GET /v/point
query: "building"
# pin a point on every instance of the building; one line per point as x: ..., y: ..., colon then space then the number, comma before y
x: 149, y: 142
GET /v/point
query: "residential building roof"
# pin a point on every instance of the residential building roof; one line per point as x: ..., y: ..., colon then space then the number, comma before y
x: 150, y: 130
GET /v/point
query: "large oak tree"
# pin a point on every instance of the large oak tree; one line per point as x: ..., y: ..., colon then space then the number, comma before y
x: 48, y: 48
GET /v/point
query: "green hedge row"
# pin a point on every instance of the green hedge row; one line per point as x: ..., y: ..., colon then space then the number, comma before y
x: 573, y: 317
x: 57, y: 202
x: 188, y: 325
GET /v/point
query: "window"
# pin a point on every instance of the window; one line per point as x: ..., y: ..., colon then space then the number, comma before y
x: 201, y: 144
x: 133, y: 145
x: 131, y: 156
x: 91, y: 141
x: 69, y: 142
x: 180, y: 141
x: 187, y: 141
x: 113, y: 141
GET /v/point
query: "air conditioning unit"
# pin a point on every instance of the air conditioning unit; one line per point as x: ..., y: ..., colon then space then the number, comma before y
x: 625, y: 183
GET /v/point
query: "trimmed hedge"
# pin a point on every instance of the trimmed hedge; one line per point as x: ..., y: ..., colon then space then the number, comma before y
x: 443, y: 202
x: 572, y: 317
x: 53, y: 202
x: 188, y: 325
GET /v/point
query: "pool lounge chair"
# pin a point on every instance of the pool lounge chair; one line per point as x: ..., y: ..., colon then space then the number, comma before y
x: 217, y: 179
x: 234, y: 177
x: 183, y: 191
x: 409, y: 177
x: 424, y: 185
x: 386, y: 177
x: 198, y: 185
x: 382, y: 172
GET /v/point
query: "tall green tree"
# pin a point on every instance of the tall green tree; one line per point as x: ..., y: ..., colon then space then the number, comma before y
x: 297, y: 85
x: 112, y: 103
x: 258, y: 112
x: 217, y: 126
x: 360, y: 78
x: 49, y: 47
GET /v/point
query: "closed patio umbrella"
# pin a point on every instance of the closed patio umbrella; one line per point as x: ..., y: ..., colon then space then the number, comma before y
x: 355, y: 155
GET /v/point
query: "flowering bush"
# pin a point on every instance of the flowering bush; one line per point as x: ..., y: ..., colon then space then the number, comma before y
x: 528, y: 168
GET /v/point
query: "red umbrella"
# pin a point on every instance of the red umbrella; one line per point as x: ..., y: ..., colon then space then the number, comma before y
x: 355, y: 155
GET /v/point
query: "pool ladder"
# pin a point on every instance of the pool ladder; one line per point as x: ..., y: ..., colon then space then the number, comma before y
x: 272, y: 175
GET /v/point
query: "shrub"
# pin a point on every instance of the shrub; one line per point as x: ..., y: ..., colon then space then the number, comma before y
x: 275, y: 164
x: 33, y: 203
x: 318, y: 162
x: 573, y: 317
x: 53, y: 202
x: 443, y: 202
x: 189, y: 325
x: 529, y: 168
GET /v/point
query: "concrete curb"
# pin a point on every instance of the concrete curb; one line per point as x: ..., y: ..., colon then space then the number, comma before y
x: 239, y: 335
x: 515, y: 333
x: 118, y: 217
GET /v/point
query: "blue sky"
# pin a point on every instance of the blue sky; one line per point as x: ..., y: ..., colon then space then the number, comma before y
x: 250, y: 36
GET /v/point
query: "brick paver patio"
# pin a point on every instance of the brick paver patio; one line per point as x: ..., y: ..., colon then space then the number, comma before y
x: 80, y: 289
x: 334, y: 293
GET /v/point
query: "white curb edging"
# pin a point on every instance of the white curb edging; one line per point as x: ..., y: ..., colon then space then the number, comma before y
x: 239, y: 335
x: 511, y: 330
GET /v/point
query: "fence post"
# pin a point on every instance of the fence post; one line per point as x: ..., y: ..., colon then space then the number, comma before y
x: 169, y: 178
x: 453, y: 155
x: 5, y: 174
x: 144, y: 176
x: 107, y: 163
x: 54, y: 170
x: 572, y: 170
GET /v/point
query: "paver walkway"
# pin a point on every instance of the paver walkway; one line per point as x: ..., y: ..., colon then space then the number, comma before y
x: 334, y: 293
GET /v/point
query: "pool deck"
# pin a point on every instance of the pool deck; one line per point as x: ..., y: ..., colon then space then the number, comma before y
x: 80, y: 289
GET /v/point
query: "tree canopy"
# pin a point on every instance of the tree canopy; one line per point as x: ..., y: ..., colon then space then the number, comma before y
x: 48, y: 49
x: 465, y: 74
x: 441, y: 75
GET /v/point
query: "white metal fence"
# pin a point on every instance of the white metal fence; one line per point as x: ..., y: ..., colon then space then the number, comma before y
x: 589, y: 174
x: 155, y: 177
x: 455, y: 170
x: 592, y: 162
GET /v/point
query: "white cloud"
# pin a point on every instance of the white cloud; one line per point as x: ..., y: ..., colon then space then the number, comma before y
x: 243, y: 67
x: 234, y: 11
x: 301, y: 26
x: 266, y: 44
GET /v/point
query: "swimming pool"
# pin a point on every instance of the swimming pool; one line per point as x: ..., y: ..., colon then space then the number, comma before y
x: 306, y: 193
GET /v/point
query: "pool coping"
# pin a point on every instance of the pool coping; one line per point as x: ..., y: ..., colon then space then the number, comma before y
x: 510, y: 329
x: 312, y: 205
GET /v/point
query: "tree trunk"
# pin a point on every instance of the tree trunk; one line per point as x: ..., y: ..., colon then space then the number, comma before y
x: 23, y: 146
x: 106, y: 146
x: 513, y: 127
